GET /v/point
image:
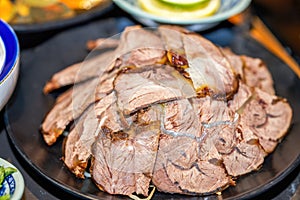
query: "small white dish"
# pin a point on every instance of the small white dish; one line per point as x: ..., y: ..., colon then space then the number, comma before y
x: 2, y: 55
x: 10, y: 69
x: 227, y: 9
x: 13, y: 184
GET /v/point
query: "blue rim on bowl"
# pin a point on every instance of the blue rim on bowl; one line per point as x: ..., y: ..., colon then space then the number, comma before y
x: 228, y: 9
x: 12, y: 49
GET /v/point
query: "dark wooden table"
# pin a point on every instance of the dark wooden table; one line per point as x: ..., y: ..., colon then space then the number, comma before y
x: 282, y: 17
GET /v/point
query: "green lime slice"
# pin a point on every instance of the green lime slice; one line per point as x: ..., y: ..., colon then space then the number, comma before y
x: 183, y: 2
x: 159, y: 8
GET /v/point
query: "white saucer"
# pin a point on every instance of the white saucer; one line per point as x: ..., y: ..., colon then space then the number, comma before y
x: 16, y: 178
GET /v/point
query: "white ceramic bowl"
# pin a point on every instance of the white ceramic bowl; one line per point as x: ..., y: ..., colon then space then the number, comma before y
x: 10, y: 71
x: 227, y: 9
x: 13, y: 184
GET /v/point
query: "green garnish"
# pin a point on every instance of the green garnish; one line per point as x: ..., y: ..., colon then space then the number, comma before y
x: 9, y: 171
x: 5, y: 197
x: 4, y: 172
x: 2, y: 175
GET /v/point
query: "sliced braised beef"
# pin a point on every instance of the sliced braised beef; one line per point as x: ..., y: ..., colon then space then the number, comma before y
x: 69, y: 106
x: 235, y: 61
x: 225, y: 140
x: 77, y: 149
x: 123, y: 161
x: 223, y: 137
x: 246, y: 154
x: 169, y: 109
x: 181, y: 118
x: 203, y: 177
x: 264, y: 120
x: 175, y: 54
x: 140, y: 88
x: 131, y: 40
x: 172, y: 38
x: 210, y: 71
x: 244, y: 159
x: 204, y: 63
x: 102, y: 43
x: 240, y: 98
x: 143, y: 57
x: 105, y: 85
x: 269, y: 118
x: 48, y: 127
x: 79, y: 72
x: 257, y: 74
x: 181, y: 166
x: 122, y: 165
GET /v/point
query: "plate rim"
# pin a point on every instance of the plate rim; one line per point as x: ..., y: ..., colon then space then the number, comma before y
x: 245, y: 195
x: 63, y: 23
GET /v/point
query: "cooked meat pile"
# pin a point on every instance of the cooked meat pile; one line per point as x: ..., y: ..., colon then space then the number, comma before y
x: 168, y: 108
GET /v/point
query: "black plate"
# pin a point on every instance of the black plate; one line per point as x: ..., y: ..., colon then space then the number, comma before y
x: 28, y: 106
x: 63, y: 23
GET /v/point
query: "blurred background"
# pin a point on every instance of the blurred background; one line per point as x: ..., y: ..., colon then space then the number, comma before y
x: 283, y: 18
